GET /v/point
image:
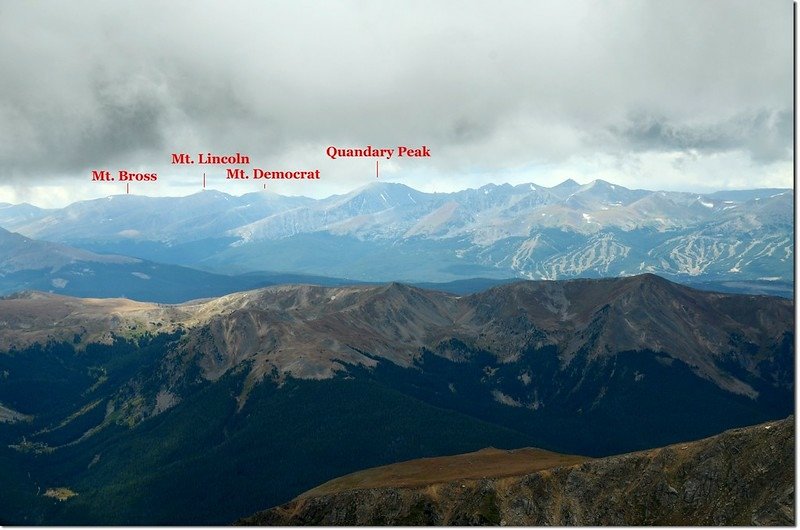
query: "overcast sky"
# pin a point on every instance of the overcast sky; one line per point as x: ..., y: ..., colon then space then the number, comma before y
x: 681, y: 95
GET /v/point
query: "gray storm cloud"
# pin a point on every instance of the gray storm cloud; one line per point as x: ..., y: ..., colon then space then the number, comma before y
x: 489, y: 84
x: 762, y: 134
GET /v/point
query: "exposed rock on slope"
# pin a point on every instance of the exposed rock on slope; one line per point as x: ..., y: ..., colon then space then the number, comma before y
x: 740, y: 477
x: 34, y: 317
x: 315, y: 332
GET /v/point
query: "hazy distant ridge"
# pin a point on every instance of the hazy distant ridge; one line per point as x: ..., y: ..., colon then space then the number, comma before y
x: 387, y: 231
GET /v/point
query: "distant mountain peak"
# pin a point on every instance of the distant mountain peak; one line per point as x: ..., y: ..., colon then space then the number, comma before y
x: 384, y: 185
x: 569, y: 182
x: 217, y: 193
x: 566, y: 188
x: 600, y: 184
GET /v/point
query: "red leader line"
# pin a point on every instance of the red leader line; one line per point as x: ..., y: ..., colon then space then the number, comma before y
x: 128, y: 187
x: 376, y: 169
x: 204, y: 181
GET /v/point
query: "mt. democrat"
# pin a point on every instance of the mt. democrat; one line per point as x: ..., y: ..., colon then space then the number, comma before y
x: 387, y: 231
x: 220, y: 387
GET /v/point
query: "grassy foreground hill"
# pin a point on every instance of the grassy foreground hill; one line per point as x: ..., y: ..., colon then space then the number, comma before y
x: 741, y: 477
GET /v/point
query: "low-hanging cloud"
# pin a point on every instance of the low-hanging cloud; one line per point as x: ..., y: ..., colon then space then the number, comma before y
x: 761, y: 134
x: 494, y: 85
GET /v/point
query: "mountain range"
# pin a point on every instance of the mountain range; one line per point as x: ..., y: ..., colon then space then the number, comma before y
x: 121, y: 412
x: 386, y: 231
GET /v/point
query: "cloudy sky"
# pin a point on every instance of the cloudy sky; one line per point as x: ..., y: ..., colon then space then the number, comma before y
x: 681, y: 95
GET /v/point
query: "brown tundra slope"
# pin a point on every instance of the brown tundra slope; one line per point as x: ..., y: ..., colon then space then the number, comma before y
x: 740, y: 477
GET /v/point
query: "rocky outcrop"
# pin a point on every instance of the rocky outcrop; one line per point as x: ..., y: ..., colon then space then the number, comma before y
x: 740, y: 477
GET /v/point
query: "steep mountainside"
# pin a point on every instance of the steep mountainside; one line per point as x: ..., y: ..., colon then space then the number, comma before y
x: 275, y: 390
x: 18, y: 253
x: 29, y: 264
x: 741, y: 477
x: 387, y: 231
